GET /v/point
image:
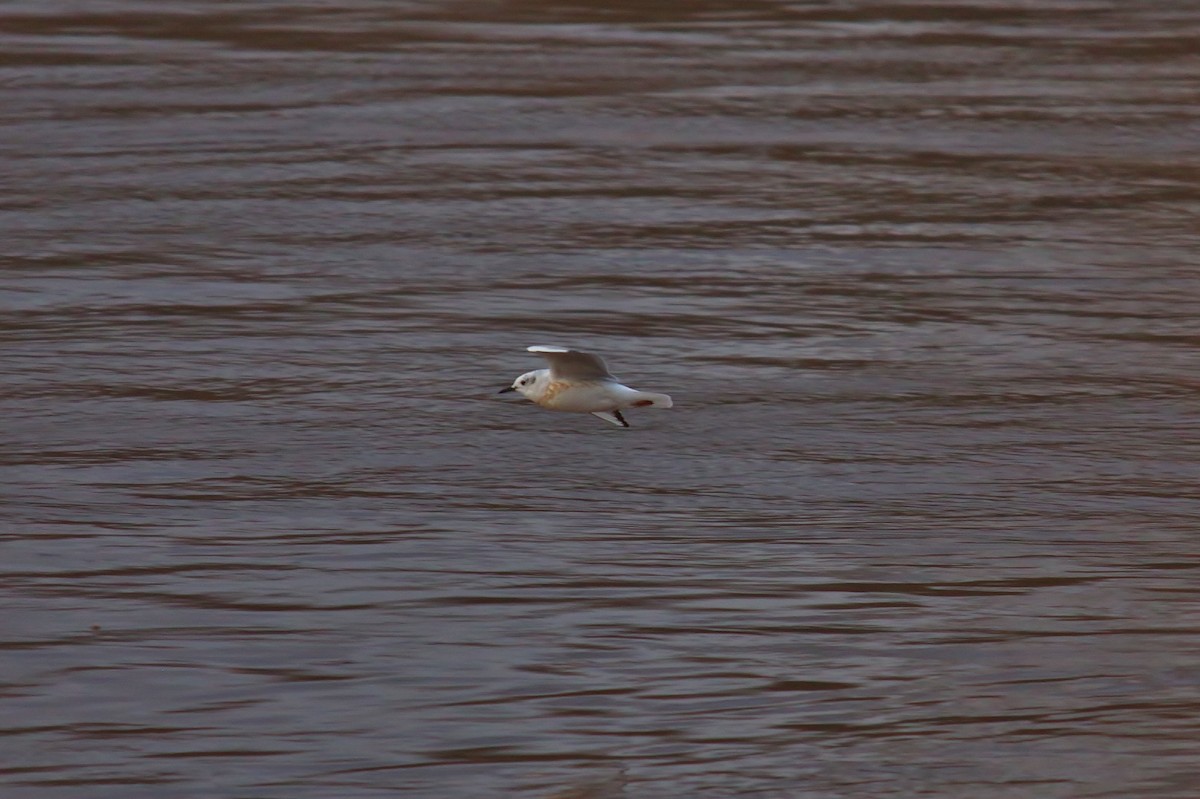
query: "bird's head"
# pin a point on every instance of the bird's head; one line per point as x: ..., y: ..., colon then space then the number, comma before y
x: 528, y: 385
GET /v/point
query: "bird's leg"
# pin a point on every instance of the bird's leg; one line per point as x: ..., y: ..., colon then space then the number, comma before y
x: 620, y: 418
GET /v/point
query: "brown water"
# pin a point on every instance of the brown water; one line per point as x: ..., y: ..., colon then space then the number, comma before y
x: 921, y: 278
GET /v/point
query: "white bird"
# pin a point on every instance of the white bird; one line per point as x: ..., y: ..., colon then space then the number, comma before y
x: 579, y: 382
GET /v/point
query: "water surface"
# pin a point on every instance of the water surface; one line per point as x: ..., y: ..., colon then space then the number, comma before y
x: 920, y: 278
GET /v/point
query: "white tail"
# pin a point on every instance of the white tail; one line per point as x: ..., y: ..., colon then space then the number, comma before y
x: 648, y: 399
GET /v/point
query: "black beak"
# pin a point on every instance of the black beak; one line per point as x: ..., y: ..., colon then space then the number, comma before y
x: 506, y: 390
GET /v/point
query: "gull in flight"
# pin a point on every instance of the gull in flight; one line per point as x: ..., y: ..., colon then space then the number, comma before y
x: 579, y: 382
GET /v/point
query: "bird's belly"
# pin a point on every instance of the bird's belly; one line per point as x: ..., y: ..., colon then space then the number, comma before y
x: 578, y: 398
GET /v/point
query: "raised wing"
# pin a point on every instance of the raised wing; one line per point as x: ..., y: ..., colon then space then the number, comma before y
x: 568, y: 364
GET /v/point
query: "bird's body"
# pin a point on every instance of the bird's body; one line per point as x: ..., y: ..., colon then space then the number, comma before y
x: 579, y: 382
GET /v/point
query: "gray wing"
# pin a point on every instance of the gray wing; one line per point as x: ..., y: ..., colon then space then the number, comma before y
x: 568, y: 364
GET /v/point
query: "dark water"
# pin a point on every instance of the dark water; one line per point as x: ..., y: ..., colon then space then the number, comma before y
x: 921, y: 278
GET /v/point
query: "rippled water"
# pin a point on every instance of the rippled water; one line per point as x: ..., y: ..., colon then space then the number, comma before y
x: 921, y: 278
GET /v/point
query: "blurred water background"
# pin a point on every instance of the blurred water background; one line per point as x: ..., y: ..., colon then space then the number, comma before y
x: 920, y: 276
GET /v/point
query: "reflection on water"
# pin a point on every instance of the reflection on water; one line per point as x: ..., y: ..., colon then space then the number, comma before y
x: 918, y: 277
